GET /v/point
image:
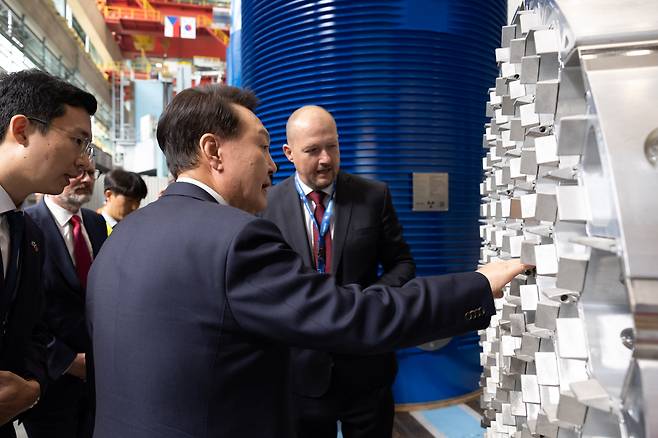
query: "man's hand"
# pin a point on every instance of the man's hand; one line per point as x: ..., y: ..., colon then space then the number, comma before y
x: 78, y: 367
x: 16, y: 395
x: 500, y: 273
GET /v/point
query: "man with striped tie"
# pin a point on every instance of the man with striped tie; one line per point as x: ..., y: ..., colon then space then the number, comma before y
x: 345, y: 225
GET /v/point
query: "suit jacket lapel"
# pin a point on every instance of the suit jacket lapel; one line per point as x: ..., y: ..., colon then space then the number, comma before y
x: 343, y: 213
x: 57, y: 247
x: 96, y: 236
x: 296, y: 227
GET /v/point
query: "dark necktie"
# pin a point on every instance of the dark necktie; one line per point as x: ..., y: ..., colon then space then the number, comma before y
x: 317, y: 198
x: 80, y: 251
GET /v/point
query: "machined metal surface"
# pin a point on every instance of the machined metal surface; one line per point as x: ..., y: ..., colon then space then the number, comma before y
x: 570, y: 186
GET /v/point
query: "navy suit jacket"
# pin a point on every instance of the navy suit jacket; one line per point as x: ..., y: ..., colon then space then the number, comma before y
x: 65, y: 297
x: 367, y: 235
x: 23, y: 346
x: 192, y: 307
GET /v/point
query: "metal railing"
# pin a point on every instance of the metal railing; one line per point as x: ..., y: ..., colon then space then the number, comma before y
x: 14, y: 29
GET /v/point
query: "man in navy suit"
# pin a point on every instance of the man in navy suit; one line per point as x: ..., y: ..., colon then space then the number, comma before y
x: 363, y: 235
x: 45, y: 126
x: 193, y: 302
x: 73, y: 237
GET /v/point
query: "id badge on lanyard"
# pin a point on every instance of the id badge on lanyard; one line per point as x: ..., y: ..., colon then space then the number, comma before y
x: 323, y: 228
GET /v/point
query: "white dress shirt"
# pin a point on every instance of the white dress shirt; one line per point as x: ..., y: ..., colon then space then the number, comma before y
x: 62, y: 219
x: 308, y: 220
x: 205, y: 187
x: 6, y: 204
x: 109, y: 219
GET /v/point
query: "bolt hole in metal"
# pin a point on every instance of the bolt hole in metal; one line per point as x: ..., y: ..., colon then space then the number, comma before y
x: 627, y: 338
x: 651, y: 147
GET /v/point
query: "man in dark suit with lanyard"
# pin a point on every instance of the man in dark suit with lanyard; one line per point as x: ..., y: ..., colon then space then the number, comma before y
x: 73, y: 237
x: 346, y: 225
x: 45, y: 126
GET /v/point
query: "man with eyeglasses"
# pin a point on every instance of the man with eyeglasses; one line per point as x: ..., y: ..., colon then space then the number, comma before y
x: 44, y: 126
x: 73, y: 236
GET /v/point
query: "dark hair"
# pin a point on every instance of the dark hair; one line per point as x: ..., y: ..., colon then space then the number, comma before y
x: 195, y: 112
x: 38, y: 94
x: 125, y: 183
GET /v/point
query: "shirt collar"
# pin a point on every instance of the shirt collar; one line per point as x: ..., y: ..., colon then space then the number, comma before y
x: 62, y: 215
x: 109, y: 219
x: 211, y: 192
x: 329, y: 190
x: 6, y: 204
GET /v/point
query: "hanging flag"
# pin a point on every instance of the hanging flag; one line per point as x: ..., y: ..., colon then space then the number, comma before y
x: 188, y: 27
x: 172, y: 26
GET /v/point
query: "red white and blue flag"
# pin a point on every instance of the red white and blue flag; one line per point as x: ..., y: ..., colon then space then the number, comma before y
x: 172, y: 27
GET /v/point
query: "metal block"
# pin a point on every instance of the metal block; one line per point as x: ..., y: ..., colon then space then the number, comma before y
x: 546, y: 96
x: 528, y: 162
x: 569, y: 410
x: 550, y: 398
x: 572, y: 134
x: 516, y: 403
x: 517, y: 49
x: 529, y: 345
x: 571, y: 273
x: 571, y: 203
x: 545, y: 428
x: 547, y: 313
x: 508, y: 344
x: 546, y: 41
x: 507, y: 34
x: 515, y: 208
x: 507, y: 381
x: 508, y: 418
x: 499, y: 117
x: 530, y: 389
x: 517, y: 132
x: 529, y: 69
x: 546, y: 259
x: 516, y: 90
x: 517, y: 366
x: 512, y: 244
x: 528, y: 116
x: 571, y: 342
x: 546, y: 149
x: 547, y: 373
x: 502, y: 54
x: 549, y: 65
x: 528, y: 22
x: 533, y: 410
x: 508, y: 105
x: 502, y: 395
x: 501, y: 87
x: 528, y: 203
x: 515, y: 168
x: 517, y: 324
x: 504, y: 206
x: 528, y: 253
x: 546, y: 207
x: 529, y: 297
x: 508, y: 311
x: 592, y: 394
x: 510, y: 71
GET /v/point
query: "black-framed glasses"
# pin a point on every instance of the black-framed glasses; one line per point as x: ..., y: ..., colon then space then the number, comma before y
x: 84, y: 143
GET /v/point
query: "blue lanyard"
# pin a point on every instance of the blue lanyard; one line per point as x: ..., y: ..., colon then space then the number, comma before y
x: 323, y: 228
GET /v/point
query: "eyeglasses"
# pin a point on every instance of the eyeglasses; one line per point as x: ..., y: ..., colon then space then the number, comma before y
x: 93, y: 174
x: 85, y: 144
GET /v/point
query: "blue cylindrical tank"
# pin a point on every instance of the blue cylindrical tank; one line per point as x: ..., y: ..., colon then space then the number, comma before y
x: 407, y: 83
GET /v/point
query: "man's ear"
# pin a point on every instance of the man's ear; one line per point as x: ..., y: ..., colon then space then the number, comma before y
x: 18, y: 127
x: 107, y: 194
x: 287, y: 150
x: 211, y: 151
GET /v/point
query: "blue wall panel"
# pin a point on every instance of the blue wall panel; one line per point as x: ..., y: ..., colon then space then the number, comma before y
x: 407, y: 83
